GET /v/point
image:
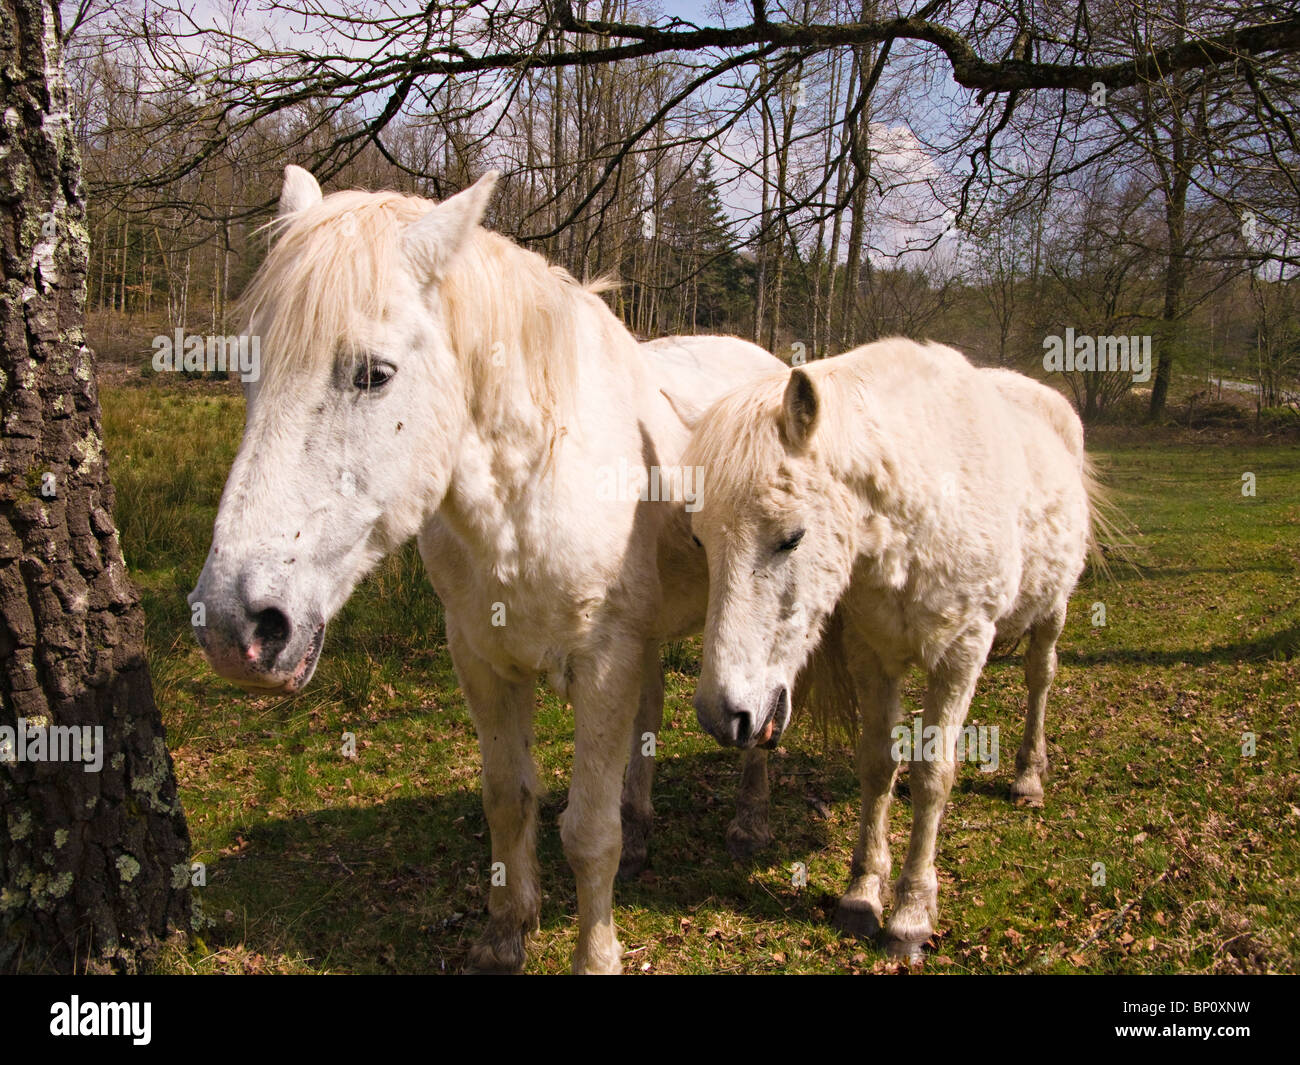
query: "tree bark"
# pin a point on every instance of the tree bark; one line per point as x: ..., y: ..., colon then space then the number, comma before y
x: 1177, y: 180
x: 94, y: 866
x: 1175, y: 270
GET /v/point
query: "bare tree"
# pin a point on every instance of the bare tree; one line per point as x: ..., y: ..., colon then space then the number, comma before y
x: 596, y: 113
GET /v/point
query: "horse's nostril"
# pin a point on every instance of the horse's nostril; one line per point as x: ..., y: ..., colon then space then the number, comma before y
x: 272, y: 628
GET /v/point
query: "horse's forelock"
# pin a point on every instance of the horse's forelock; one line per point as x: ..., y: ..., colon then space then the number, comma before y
x: 737, y: 443
x: 326, y: 277
x: 329, y: 275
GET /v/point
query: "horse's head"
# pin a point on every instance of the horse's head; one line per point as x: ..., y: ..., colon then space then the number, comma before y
x: 778, y: 530
x: 352, y: 424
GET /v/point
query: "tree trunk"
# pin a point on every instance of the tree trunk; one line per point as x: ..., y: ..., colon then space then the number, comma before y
x: 760, y: 294
x: 94, y: 866
x: 837, y: 219
x: 1175, y: 275
x: 1177, y: 182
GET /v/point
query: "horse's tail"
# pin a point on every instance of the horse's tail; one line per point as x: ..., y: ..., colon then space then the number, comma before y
x: 1108, y: 527
x: 824, y: 689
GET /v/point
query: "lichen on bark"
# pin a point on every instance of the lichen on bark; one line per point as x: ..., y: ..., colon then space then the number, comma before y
x: 87, y: 859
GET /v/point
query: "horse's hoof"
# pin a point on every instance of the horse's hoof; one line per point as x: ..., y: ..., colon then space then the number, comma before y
x: 615, y: 969
x: 912, y: 923
x: 1028, y: 784
x: 743, y: 843
x: 496, y: 955
x: 908, y: 951
x: 1027, y: 791
x: 600, y: 963
x: 857, y: 917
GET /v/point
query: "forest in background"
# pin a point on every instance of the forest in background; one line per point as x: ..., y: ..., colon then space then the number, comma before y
x: 809, y: 200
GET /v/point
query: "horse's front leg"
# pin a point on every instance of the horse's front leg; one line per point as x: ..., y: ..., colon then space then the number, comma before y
x: 947, y: 698
x: 637, y: 808
x: 861, y: 908
x: 604, y: 692
x: 748, y: 832
x: 503, y: 716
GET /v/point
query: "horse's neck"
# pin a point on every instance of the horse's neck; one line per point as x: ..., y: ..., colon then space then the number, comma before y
x: 490, y: 490
x: 506, y: 490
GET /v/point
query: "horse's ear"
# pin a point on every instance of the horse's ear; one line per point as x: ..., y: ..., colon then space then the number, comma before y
x: 433, y: 241
x: 799, y: 410
x: 299, y: 192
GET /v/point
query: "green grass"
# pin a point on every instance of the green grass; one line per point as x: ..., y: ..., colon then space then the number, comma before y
x: 318, y: 863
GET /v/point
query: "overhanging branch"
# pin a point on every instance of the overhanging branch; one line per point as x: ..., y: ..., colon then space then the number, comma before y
x: 968, y: 68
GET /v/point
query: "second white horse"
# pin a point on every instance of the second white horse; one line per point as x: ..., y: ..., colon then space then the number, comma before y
x: 934, y: 508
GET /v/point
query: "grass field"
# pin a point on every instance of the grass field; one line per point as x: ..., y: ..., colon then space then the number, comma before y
x: 319, y: 863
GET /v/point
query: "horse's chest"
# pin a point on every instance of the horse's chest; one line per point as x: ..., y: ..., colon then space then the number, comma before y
x: 525, y: 625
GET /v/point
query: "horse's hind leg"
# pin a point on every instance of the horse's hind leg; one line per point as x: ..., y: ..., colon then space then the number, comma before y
x: 748, y: 832
x: 503, y: 715
x: 947, y: 698
x: 637, y: 808
x: 1040, y: 669
x: 861, y: 908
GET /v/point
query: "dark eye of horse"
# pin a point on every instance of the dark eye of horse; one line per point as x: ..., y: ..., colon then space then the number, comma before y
x: 791, y: 542
x: 697, y: 540
x: 371, y: 375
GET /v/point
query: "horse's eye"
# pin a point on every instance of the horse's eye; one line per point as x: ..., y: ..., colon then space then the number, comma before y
x: 791, y: 542
x: 371, y: 375
x: 697, y: 540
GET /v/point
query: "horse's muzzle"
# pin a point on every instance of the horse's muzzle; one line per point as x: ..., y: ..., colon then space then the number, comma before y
x: 733, y: 726
x: 258, y: 647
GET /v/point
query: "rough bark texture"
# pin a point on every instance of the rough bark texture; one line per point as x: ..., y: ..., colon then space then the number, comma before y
x: 93, y: 865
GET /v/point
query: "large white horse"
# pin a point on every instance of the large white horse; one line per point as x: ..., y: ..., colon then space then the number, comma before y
x: 934, y: 508
x: 422, y: 376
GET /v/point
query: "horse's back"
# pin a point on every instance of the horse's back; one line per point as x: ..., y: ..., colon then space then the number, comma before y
x: 693, y: 372
x: 1018, y: 517
x: 998, y: 412
x: 935, y: 416
x: 1042, y: 401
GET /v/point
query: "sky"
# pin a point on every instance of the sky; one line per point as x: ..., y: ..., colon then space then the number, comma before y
x: 907, y: 168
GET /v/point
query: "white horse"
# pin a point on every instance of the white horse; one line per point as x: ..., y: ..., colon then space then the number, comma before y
x: 934, y: 508
x: 421, y: 376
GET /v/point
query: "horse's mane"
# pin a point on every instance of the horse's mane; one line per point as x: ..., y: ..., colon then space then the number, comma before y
x: 738, y: 442
x: 330, y: 273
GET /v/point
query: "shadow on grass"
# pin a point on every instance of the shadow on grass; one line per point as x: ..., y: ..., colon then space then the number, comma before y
x: 1284, y: 643
x: 1159, y: 573
x: 402, y: 886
